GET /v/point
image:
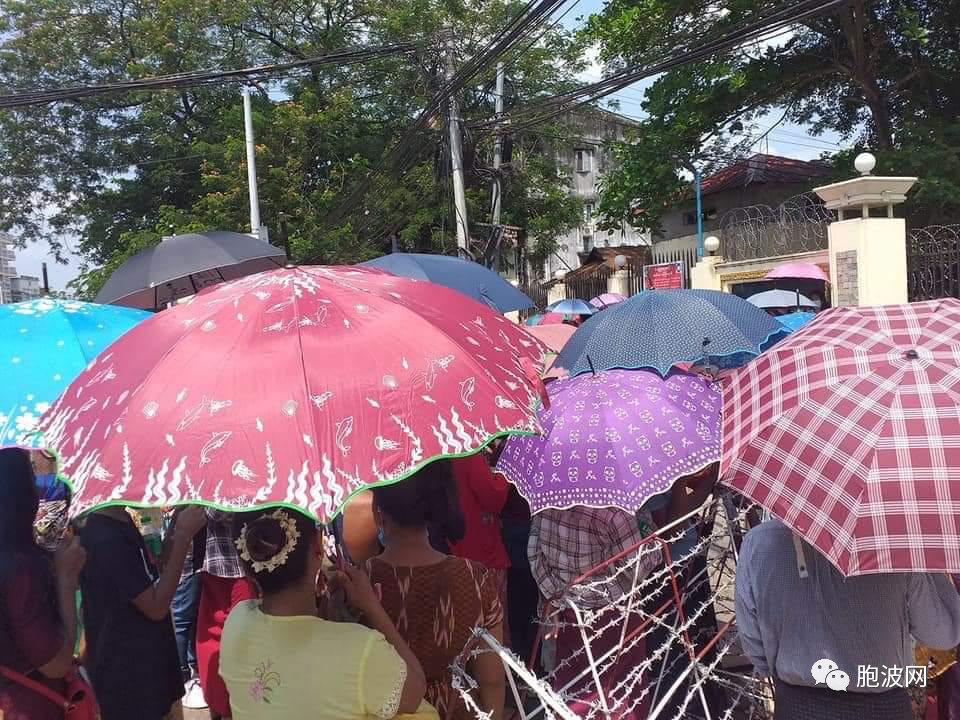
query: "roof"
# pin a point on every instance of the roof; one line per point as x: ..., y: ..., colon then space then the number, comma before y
x: 763, y: 169
x: 602, y: 259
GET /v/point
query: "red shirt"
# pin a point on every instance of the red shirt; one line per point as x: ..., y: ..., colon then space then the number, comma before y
x: 30, y: 636
x: 482, y: 496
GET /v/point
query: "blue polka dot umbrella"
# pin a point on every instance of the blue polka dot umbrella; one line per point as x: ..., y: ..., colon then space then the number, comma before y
x: 616, y: 439
x: 44, y: 345
x: 658, y: 329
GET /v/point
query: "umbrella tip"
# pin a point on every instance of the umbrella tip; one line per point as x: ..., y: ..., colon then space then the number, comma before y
x: 911, y: 354
x: 590, y: 363
x: 289, y: 265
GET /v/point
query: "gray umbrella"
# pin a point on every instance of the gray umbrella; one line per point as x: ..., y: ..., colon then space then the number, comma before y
x: 181, y: 265
x: 781, y: 299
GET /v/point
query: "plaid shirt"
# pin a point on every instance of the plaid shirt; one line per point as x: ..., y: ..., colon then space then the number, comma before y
x: 565, y: 544
x: 221, y: 558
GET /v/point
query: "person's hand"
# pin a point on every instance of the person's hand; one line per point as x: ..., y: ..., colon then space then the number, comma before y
x: 189, y: 521
x: 68, y: 560
x: 360, y: 593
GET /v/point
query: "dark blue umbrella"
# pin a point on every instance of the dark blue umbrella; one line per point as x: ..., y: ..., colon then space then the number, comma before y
x: 464, y: 276
x: 659, y: 328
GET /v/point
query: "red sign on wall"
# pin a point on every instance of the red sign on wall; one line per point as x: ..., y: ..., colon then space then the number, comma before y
x: 663, y: 276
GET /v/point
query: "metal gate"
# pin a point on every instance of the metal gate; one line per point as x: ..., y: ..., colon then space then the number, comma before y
x: 588, y: 286
x: 687, y: 256
x: 933, y: 262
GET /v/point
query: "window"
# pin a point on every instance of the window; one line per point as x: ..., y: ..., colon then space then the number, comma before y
x: 588, y: 210
x: 584, y: 159
x: 690, y: 218
x: 587, y: 243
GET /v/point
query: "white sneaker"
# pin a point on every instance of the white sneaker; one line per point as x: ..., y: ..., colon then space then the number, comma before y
x: 193, y: 697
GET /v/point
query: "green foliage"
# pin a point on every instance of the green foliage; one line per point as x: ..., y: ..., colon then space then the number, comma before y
x: 120, y: 171
x: 881, y: 74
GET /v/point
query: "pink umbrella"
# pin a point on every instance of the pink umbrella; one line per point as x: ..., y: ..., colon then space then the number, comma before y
x: 553, y: 336
x: 797, y: 271
x: 849, y: 432
x: 605, y: 300
x: 552, y: 318
x: 297, y: 387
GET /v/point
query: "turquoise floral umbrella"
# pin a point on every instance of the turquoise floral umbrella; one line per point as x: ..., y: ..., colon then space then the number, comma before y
x: 44, y: 345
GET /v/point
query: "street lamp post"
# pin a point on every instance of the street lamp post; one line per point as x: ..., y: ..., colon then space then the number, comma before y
x: 687, y: 162
x: 696, y: 190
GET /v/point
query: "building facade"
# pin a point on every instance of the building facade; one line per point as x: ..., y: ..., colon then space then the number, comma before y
x: 25, y: 287
x: 760, y: 181
x: 13, y: 286
x: 587, y: 160
x: 8, y: 269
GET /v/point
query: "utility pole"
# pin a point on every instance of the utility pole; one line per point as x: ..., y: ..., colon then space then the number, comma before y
x: 495, y: 200
x: 251, y: 164
x: 456, y: 152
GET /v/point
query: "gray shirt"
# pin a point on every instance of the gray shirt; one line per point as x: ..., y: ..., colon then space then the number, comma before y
x: 787, y: 623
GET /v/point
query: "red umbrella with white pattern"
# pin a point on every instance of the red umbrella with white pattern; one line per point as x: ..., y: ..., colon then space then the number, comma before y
x: 297, y: 386
x: 849, y: 432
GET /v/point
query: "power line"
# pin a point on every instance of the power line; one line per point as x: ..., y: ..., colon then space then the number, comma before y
x: 344, y: 56
x: 410, y: 144
x: 774, y: 22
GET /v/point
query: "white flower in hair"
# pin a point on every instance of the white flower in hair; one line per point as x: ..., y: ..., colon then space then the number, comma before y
x: 279, y: 559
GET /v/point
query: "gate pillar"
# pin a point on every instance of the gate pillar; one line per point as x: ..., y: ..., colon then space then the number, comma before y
x: 868, y: 255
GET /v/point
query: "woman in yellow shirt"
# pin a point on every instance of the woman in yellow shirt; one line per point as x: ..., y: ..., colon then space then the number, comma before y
x: 280, y: 660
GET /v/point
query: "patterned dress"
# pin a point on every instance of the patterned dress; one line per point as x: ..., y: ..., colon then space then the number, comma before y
x: 435, y: 608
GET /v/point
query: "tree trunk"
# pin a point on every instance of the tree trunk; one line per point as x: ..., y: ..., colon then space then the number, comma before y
x: 882, y: 125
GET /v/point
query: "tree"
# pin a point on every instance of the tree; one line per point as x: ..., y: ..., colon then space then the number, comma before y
x: 120, y: 171
x: 879, y: 73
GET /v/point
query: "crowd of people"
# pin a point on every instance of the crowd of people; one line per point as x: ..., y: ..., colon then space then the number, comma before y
x: 263, y: 614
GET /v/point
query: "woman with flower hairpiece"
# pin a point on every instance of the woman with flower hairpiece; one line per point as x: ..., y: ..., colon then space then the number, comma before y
x: 279, y: 659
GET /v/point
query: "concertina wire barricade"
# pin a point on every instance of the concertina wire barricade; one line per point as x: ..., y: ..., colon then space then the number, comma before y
x: 682, y: 613
x: 756, y: 232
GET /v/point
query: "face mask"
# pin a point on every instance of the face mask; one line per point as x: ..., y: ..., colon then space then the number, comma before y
x: 49, y: 488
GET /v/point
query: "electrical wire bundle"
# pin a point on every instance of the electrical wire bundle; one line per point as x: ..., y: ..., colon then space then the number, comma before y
x: 770, y: 23
x: 407, y: 149
x: 343, y: 56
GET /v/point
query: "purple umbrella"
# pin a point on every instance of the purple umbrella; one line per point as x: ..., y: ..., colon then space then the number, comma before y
x: 616, y: 439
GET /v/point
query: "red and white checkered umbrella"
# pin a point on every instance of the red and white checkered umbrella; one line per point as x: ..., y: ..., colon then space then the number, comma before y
x: 849, y: 431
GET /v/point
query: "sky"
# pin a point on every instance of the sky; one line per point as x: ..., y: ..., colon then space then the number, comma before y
x: 786, y: 139
x: 31, y: 258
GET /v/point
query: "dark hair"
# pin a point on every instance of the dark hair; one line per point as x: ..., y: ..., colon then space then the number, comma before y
x: 265, y: 537
x: 19, y: 503
x: 427, y: 498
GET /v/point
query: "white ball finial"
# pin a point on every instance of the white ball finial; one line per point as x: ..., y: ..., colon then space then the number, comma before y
x: 620, y: 261
x: 711, y: 244
x: 559, y: 274
x: 865, y: 163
